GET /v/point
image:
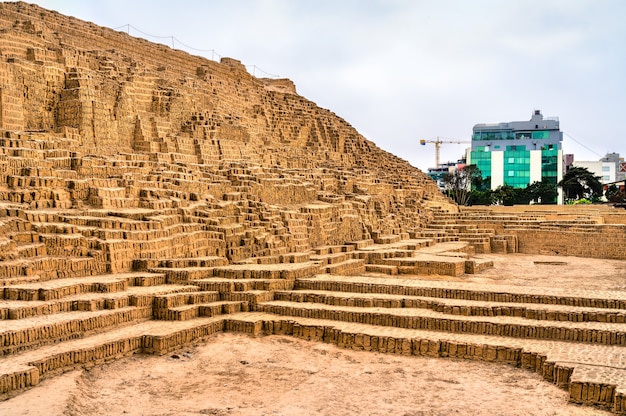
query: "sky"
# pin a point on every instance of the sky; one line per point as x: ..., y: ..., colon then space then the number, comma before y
x: 403, y: 70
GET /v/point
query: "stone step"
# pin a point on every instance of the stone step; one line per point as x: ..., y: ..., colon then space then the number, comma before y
x: 206, y: 261
x: 223, y: 285
x: 31, y: 250
x: 295, y: 257
x: 328, y: 250
x: 345, y: 268
x: 381, y: 268
x: 584, y: 332
x: 387, y: 239
x: 51, y: 267
x: 175, y: 275
x: 330, y: 259
x: 289, y: 271
x: 240, y: 271
x: 139, y: 296
x: 476, y: 265
x: 60, y: 288
x: 374, y: 257
x: 426, y: 264
x: 29, y: 333
x: 19, y: 280
x: 250, y: 297
x: 475, y: 236
x: 209, y: 309
x: 465, y: 291
x: 446, y: 247
x: 455, y: 306
x: 361, y: 244
x: 173, y: 300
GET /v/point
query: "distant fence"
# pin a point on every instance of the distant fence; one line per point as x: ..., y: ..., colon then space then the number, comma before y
x: 214, y: 56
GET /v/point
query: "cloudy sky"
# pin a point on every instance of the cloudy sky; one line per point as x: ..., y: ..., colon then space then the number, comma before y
x: 404, y: 70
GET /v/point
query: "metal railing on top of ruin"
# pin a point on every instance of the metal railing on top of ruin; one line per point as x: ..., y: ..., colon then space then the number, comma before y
x: 214, y: 55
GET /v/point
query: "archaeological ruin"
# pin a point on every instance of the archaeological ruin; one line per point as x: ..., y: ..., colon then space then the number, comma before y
x: 150, y: 198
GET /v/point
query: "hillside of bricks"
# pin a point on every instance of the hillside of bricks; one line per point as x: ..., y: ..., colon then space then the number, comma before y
x: 150, y: 198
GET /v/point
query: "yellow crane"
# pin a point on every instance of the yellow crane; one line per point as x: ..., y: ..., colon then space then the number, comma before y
x: 438, y: 143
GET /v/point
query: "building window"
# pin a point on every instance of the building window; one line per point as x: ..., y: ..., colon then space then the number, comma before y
x: 539, y: 135
x: 606, y: 168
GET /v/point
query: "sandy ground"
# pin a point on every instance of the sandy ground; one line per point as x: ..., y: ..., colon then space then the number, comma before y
x: 553, y: 271
x: 234, y: 374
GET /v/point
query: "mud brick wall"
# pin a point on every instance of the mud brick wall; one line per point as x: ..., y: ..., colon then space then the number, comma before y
x: 585, y: 231
x: 162, y: 344
x: 167, y: 97
x: 88, y: 356
x: 23, y: 377
x: 430, y: 292
x: 26, y: 338
x: 121, y: 254
x: 448, y: 325
x: 603, y: 241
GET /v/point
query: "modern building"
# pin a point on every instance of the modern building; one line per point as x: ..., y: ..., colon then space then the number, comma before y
x: 438, y: 174
x: 611, y: 168
x: 518, y: 153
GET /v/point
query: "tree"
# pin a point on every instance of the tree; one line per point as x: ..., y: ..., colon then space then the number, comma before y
x: 543, y: 192
x: 481, y: 184
x: 480, y: 197
x: 611, y: 192
x: 507, y: 195
x: 458, y: 183
x: 615, y: 195
x: 579, y: 183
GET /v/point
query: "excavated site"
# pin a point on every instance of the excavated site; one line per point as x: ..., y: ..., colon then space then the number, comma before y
x: 151, y: 199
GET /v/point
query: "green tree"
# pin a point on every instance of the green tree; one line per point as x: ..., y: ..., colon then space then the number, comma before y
x: 543, y: 192
x: 458, y: 183
x: 508, y: 195
x: 481, y: 184
x: 480, y: 197
x: 579, y: 183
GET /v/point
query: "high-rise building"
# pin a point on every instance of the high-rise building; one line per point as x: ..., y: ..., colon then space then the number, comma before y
x: 518, y: 153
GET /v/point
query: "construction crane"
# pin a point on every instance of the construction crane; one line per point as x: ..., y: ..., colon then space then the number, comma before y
x: 438, y: 143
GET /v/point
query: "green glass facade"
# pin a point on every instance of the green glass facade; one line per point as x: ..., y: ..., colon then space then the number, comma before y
x: 482, y: 159
x: 516, y: 167
x: 550, y: 165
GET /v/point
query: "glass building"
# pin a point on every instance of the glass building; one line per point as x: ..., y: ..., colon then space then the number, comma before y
x: 518, y: 153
